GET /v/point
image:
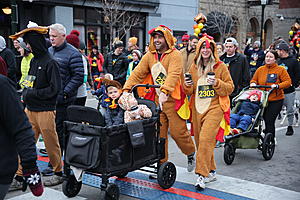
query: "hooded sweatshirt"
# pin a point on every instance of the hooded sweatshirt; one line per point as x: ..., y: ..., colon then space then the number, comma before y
x: 44, y: 75
x: 9, y: 58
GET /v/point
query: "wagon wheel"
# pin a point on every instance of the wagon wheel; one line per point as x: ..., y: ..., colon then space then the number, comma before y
x: 229, y: 153
x: 71, y: 187
x: 111, y: 192
x: 268, y: 146
x: 166, y: 175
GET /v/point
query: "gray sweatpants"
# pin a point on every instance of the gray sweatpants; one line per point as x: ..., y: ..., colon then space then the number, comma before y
x: 288, y: 102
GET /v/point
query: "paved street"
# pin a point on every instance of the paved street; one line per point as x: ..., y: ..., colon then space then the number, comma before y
x: 249, y: 175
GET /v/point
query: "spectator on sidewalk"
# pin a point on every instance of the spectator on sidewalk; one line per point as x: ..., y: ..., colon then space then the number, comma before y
x: 293, y: 68
x: 116, y: 63
x: 237, y: 64
x: 40, y: 92
x: 9, y: 58
x: 71, y: 73
x: 136, y: 57
x: 16, y: 139
x: 25, y: 63
x: 96, y: 61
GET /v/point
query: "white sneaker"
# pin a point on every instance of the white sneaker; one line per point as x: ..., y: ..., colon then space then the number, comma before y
x: 211, y: 177
x: 200, y: 183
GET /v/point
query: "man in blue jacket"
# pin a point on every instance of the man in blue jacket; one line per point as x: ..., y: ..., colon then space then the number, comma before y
x: 71, y: 72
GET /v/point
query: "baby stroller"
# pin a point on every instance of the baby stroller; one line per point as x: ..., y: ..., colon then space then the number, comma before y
x: 253, y: 137
x: 108, y: 151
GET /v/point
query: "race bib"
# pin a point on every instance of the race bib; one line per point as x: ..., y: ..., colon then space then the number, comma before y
x: 271, y: 78
x: 28, y: 81
x: 206, y: 91
x: 159, y: 75
x: 204, y: 95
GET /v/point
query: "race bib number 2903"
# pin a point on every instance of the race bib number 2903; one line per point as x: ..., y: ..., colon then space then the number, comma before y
x: 206, y: 91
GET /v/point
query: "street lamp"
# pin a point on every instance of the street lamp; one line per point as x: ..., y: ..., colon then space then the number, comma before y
x: 262, y: 29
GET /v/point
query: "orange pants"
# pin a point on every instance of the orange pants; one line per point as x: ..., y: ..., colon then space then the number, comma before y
x: 44, y: 123
x: 206, y: 127
x: 178, y: 130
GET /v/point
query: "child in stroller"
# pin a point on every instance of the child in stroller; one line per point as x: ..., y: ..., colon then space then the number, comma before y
x: 241, y: 120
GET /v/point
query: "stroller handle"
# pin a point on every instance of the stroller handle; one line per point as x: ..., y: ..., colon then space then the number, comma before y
x: 260, y: 86
x: 147, y: 86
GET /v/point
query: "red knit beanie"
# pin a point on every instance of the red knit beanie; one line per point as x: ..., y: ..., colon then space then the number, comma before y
x: 73, y: 40
x: 185, y: 37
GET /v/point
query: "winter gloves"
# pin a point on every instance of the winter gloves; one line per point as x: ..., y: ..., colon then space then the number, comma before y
x: 32, y: 178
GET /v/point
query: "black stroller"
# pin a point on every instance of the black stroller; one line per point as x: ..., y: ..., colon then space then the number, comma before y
x: 114, y: 150
x: 253, y: 137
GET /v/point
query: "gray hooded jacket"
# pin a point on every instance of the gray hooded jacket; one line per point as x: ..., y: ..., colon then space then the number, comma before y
x: 9, y: 58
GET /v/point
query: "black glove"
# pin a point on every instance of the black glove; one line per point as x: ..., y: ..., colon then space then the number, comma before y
x: 33, y: 179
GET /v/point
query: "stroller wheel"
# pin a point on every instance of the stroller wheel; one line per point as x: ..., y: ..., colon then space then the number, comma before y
x: 268, y: 146
x: 71, y: 187
x: 229, y: 153
x: 166, y: 175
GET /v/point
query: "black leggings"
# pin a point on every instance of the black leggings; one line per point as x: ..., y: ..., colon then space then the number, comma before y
x: 270, y: 115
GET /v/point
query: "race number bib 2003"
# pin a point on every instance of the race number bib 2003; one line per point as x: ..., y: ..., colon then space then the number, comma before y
x: 206, y: 91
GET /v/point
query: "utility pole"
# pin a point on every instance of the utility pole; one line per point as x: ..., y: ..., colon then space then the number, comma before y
x: 14, y: 16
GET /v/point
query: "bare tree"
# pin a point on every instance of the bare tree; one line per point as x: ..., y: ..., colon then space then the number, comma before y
x: 220, y: 23
x: 221, y: 20
x: 118, y: 20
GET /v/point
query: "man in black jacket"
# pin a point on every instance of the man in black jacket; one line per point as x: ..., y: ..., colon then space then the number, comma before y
x: 71, y: 73
x: 293, y: 68
x: 16, y: 139
x: 42, y: 86
x: 116, y: 63
x: 237, y: 64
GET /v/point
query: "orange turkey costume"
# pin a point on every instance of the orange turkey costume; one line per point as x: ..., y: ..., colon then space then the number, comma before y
x: 170, y: 65
x: 207, y: 111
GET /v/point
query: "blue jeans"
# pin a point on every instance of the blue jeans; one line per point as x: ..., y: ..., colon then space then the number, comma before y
x: 240, y: 121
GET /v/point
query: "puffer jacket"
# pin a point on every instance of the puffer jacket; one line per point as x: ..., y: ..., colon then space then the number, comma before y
x: 71, y: 71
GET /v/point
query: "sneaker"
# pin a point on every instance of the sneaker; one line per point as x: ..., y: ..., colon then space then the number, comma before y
x: 191, y: 162
x: 15, y: 185
x: 200, y: 183
x: 289, y: 131
x: 48, y: 171
x: 211, y: 177
x: 53, y: 180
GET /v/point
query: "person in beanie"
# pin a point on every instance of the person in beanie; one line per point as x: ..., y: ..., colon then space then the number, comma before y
x: 185, y: 41
x: 131, y: 45
x: 136, y: 57
x: 163, y: 62
x: 255, y: 56
x: 73, y: 39
x: 116, y: 63
x: 293, y: 68
x: 16, y: 139
x: 41, y: 88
